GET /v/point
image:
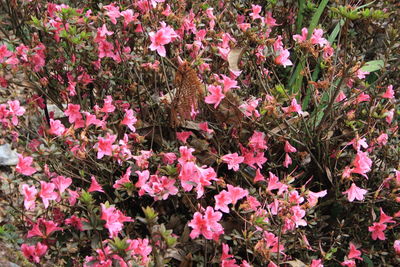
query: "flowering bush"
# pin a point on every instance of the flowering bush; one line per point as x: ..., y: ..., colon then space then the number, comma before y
x: 189, y: 130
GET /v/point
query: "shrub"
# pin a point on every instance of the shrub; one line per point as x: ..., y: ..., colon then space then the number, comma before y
x: 202, y: 132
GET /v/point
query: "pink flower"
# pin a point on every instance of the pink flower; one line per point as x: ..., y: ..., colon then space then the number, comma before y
x: 385, y: 218
x: 15, y: 111
x: 204, y: 127
x: 256, y: 12
x: 61, y: 183
x: 95, y: 186
x: 128, y: 16
x: 129, y: 119
x: 108, y: 106
x: 236, y: 193
x: 143, y: 177
x: 294, y: 107
x: 105, y: 145
x: 162, y: 37
x: 288, y: 148
x: 75, y: 222
x: 341, y: 96
x: 73, y: 196
x: 233, y: 161
x: 228, y: 83
x: 216, y: 95
x: 183, y: 136
x: 33, y: 253
x: 349, y: 263
x: 301, y: 38
x: 389, y: 116
x: 288, y: 161
x: 206, y: 225
x: 382, y: 139
x: 168, y: 158
x: 24, y: 165
x: 312, y: 197
x: 112, y: 12
x: 361, y: 74
x: 363, y: 97
x: 124, y: 179
x: 114, y: 219
x: 389, y: 94
x: 396, y: 246
x: 283, y: 58
x: 56, y: 127
x: 257, y: 141
x: 29, y: 196
x: 377, y: 231
x: 355, y: 192
x: 354, y: 253
x: 73, y: 113
x: 317, y: 38
x: 362, y: 163
x: 316, y: 263
x: 47, y: 192
x: 222, y: 200
x: 258, y: 177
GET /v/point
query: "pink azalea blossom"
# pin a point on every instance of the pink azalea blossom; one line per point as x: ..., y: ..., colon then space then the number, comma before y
x: 105, y: 145
x: 168, y: 158
x: 129, y: 120
x: 62, y: 183
x: 354, y: 253
x: 24, y: 165
x: 216, y: 95
x: 389, y: 116
x: 377, y: 231
x: 289, y: 148
x: 47, y: 192
x: 73, y: 113
x: 15, y: 111
x: 73, y: 196
x: 108, y: 106
x: 317, y: 38
x: 355, y: 192
x: 316, y: 263
x: 112, y: 12
x: 294, y: 107
x: 259, y: 177
x: 349, y: 263
x: 33, y: 253
x: 183, y: 136
x: 257, y: 141
x: 56, y: 127
x: 312, y: 197
x: 143, y: 177
x: 341, y: 97
x: 222, y: 200
x: 95, y: 186
x: 363, y: 97
x: 114, y: 219
x: 283, y: 58
x: 233, y: 161
x: 384, y: 218
x: 288, y: 161
x: 382, y: 139
x: 124, y: 179
x: 362, y: 163
x: 228, y: 83
x: 29, y: 193
x: 162, y: 37
x: 236, y: 193
x: 396, y: 246
x: 301, y: 38
x: 204, y: 127
x: 75, y: 222
x: 206, y: 225
x: 256, y: 12
x: 389, y: 94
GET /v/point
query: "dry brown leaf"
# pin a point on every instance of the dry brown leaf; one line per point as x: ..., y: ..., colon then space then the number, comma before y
x: 234, y: 57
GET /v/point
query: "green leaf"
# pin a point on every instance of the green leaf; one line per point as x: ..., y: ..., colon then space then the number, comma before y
x: 373, y: 65
x: 368, y: 261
